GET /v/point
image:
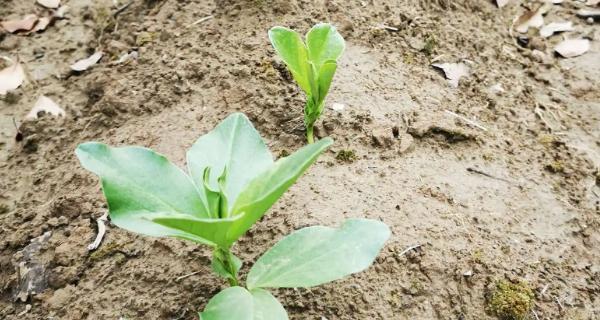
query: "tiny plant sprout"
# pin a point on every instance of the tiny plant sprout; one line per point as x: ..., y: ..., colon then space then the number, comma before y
x: 231, y: 182
x: 312, y: 63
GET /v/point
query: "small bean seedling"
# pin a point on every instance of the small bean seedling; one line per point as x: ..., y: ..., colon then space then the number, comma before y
x: 232, y: 182
x: 312, y: 64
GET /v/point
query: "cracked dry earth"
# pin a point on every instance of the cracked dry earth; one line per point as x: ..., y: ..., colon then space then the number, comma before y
x: 514, y: 198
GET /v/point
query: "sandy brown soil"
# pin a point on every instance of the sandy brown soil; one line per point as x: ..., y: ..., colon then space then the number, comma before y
x: 519, y: 201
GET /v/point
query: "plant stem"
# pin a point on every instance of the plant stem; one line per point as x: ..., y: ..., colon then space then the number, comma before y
x: 229, y: 265
x: 309, y: 133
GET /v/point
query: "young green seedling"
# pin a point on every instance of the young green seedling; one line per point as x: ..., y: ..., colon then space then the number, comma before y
x: 312, y: 64
x: 232, y: 182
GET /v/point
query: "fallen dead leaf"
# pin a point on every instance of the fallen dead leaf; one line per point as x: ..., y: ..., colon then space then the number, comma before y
x: 60, y: 12
x: 42, y: 24
x: 11, y: 77
x: 24, y: 24
x: 572, y: 47
x: 86, y: 63
x: 453, y: 71
x: 589, y: 13
x: 531, y: 19
x: 50, y: 4
x: 502, y: 3
x: 45, y: 104
x: 554, y: 27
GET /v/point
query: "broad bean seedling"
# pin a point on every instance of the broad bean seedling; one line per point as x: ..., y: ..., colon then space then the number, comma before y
x: 312, y: 64
x: 232, y: 182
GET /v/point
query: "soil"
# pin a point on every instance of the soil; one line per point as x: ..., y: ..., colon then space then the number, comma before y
x: 518, y: 201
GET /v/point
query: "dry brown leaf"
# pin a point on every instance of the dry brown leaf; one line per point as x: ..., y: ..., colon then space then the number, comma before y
x: 45, y: 104
x: 531, y: 18
x: 555, y: 27
x: 572, y: 47
x: 84, y: 64
x: 50, y: 4
x: 502, y: 3
x: 24, y: 24
x: 11, y: 77
x: 453, y: 71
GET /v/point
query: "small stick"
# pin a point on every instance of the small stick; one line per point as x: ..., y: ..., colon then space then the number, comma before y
x: 122, y: 8
x: 186, y: 275
x: 561, y: 307
x: 201, y: 20
x: 413, y: 247
x: 101, y: 231
x: 471, y: 122
x: 469, y: 169
x: 535, y: 315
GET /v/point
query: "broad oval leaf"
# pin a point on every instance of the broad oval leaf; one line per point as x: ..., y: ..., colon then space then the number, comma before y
x: 233, y: 144
x: 266, y: 307
x: 137, y: 182
x: 234, y: 303
x: 262, y: 192
x: 316, y: 255
x: 289, y: 46
x: 237, y: 303
x: 324, y: 43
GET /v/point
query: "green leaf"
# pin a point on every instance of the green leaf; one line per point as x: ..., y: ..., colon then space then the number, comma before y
x: 324, y: 43
x: 326, y: 74
x: 289, y: 46
x: 262, y: 192
x: 233, y: 144
x: 234, y: 303
x: 214, y: 231
x: 138, y: 182
x: 316, y: 255
x: 266, y: 307
x: 237, y: 303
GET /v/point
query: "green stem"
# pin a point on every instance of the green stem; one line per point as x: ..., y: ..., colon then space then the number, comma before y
x: 229, y: 266
x: 309, y: 133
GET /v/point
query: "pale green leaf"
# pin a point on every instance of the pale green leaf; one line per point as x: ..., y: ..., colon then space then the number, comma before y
x: 234, y: 144
x: 237, y: 303
x: 138, y: 182
x: 262, y: 192
x: 324, y: 43
x: 215, y: 231
x: 266, y: 307
x: 291, y: 49
x: 316, y: 255
x: 234, y: 303
x: 326, y: 74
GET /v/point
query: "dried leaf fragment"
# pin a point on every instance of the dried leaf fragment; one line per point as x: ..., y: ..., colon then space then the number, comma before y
x: 50, y: 4
x: 572, y: 47
x: 531, y: 19
x: 555, y: 27
x: 45, y: 104
x: 502, y: 3
x: 11, y: 77
x: 453, y: 71
x: 42, y: 24
x: 86, y: 63
x: 24, y: 24
x: 589, y: 13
